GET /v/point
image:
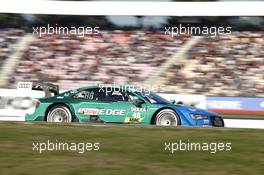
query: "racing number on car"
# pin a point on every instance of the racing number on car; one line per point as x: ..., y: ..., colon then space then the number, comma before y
x: 136, y: 115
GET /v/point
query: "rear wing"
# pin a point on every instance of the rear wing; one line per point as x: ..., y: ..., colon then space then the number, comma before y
x: 48, y: 88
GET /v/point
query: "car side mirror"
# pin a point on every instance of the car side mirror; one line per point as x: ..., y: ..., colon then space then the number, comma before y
x: 137, y: 101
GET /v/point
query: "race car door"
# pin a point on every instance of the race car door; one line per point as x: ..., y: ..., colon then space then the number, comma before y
x: 87, y: 104
x: 120, y: 108
x: 107, y: 105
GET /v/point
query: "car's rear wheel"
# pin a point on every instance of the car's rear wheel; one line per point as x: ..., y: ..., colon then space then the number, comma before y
x: 167, y: 117
x: 59, y: 114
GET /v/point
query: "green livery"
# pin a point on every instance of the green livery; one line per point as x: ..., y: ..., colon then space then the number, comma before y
x: 91, y: 105
x: 116, y: 104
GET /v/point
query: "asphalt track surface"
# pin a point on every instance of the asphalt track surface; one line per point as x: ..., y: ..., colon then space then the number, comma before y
x: 229, y: 123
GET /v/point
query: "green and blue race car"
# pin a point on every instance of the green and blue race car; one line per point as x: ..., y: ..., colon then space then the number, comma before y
x: 116, y: 104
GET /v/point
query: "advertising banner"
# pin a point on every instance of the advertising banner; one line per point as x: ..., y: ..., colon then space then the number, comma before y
x: 14, y: 103
x: 247, y: 105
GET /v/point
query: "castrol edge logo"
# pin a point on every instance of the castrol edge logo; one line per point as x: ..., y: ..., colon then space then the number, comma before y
x: 88, y: 111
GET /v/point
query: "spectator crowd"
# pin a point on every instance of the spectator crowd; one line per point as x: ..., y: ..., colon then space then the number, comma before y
x: 118, y: 56
x: 231, y: 65
x: 8, y: 37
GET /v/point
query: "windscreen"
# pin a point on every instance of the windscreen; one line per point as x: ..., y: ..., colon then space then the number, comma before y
x: 153, y: 97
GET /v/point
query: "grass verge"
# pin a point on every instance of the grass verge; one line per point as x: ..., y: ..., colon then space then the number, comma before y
x: 128, y: 150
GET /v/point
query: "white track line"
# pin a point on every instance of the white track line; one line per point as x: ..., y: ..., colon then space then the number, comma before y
x: 229, y: 123
x: 244, y: 123
x: 12, y: 118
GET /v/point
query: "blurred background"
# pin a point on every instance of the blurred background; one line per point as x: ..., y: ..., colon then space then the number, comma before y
x: 134, y: 49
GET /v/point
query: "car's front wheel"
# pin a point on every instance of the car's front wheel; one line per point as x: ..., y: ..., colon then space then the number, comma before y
x: 59, y: 114
x: 167, y: 117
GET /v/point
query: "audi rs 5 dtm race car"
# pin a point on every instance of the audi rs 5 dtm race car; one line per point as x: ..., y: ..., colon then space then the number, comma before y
x: 109, y: 104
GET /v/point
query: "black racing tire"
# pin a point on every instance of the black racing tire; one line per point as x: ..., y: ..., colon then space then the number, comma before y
x: 217, y: 122
x: 59, y: 114
x: 167, y: 117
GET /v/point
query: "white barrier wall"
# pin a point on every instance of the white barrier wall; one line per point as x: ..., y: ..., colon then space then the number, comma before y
x: 14, y: 104
x: 198, y: 101
x: 244, y: 123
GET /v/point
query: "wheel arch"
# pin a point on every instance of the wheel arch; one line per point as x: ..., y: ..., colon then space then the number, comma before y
x: 160, y: 109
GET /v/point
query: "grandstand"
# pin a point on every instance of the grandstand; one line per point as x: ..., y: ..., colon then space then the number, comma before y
x: 230, y: 65
x: 7, y: 38
x: 123, y: 57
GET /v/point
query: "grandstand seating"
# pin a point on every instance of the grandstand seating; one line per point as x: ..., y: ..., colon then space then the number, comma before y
x: 7, y: 38
x: 228, y: 65
x: 122, y: 57
x: 231, y: 65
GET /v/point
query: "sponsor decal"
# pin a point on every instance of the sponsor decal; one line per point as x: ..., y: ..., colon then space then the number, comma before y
x: 136, y: 118
x: 89, y: 111
x: 136, y: 109
x: 128, y: 120
x: 24, y: 85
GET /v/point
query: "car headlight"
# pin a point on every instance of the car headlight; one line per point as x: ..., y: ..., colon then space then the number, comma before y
x: 198, y: 116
